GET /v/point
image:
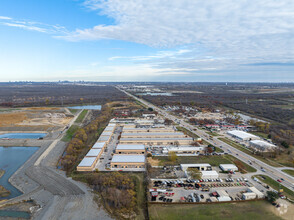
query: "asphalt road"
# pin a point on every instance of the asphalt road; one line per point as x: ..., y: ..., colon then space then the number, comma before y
x: 273, y: 172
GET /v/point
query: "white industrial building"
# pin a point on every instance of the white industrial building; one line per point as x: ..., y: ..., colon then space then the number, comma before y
x: 182, y: 150
x: 130, y: 149
x: 248, y: 195
x: 87, y: 164
x: 128, y: 161
x: 93, y: 153
x: 223, y: 196
x: 259, y: 194
x: 199, y: 166
x: 262, y: 145
x: 242, y: 135
x: 211, y: 174
x: 99, y: 145
x: 228, y: 167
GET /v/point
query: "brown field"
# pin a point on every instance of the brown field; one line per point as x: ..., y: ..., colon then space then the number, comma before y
x: 153, y: 162
x: 27, y: 117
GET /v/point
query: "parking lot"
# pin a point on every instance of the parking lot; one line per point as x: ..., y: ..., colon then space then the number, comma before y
x: 186, y: 190
x: 105, y: 159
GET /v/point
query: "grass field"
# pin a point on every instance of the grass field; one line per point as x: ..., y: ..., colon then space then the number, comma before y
x: 140, y: 191
x: 212, y: 133
x: 212, y: 160
x: 70, y: 132
x: 260, y: 134
x: 73, y: 111
x: 245, y: 150
x: 81, y: 116
x: 290, y: 172
x: 275, y: 185
x: 187, y: 132
x: 256, y: 210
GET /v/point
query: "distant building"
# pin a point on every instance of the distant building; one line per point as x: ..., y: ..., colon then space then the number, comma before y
x: 199, y: 166
x: 242, y: 135
x: 262, y: 145
x: 87, y: 164
x: 130, y: 149
x: 228, y: 167
x: 211, y: 174
x: 128, y: 161
x: 223, y: 196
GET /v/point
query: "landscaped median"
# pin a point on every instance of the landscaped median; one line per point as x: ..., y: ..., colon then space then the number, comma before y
x: 290, y: 172
x: 275, y: 185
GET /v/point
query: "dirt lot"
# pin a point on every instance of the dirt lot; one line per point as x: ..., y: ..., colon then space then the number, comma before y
x: 28, y: 117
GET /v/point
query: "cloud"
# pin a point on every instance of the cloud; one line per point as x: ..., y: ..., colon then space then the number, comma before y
x: 33, y: 26
x: 5, y: 18
x: 221, y: 36
x: 158, y: 55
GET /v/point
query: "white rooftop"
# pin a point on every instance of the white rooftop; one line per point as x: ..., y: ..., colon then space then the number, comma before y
x: 153, y: 134
x: 93, y: 153
x: 118, y: 158
x: 242, y: 134
x: 87, y: 162
x: 130, y: 147
x: 262, y: 143
x: 106, y: 133
x: 184, y: 148
x: 104, y: 138
x: 98, y: 145
x: 196, y: 165
x: 228, y: 166
x: 209, y: 172
x: 156, y: 139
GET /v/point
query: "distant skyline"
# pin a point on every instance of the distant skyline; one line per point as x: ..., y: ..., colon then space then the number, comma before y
x: 168, y: 40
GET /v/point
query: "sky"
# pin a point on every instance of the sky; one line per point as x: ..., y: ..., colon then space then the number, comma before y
x: 139, y: 40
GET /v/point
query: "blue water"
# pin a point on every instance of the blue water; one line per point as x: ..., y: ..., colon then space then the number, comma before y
x: 23, y: 135
x: 88, y: 107
x: 14, y: 214
x: 11, y: 158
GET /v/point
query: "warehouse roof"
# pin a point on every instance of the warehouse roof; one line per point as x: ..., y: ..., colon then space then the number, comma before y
x: 106, y: 133
x: 262, y: 143
x: 222, y: 192
x: 87, y: 162
x: 104, y: 138
x: 256, y: 191
x: 209, y: 172
x: 155, y: 139
x: 98, y: 145
x: 118, y: 158
x: 228, y: 166
x: 184, y: 148
x: 109, y: 128
x: 158, y: 128
x: 130, y: 147
x: 196, y: 165
x: 93, y: 153
x: 153, y: 134
x: 242, y: 134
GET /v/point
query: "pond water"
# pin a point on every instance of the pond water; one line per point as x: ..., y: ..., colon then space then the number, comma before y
x: 11, y: 158
x: 88, y: 107
x: 23, y: 135
x: 14, y: 214
x: 156, y: 93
